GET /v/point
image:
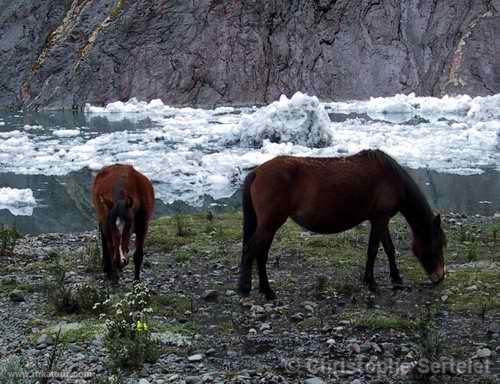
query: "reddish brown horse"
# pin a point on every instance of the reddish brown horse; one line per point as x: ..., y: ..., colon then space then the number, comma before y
x: 331, y: 195
x: 124, y: 201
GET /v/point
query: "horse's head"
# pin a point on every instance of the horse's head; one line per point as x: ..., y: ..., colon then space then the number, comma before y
x: 430, y: 253
x: 118, y: 229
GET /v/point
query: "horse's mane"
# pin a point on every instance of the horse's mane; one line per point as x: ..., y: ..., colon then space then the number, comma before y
x: 416, y: 201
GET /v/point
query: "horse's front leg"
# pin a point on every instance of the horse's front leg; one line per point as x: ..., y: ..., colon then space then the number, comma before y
x: 141, y: 228
x: 389, y: 249
x: 106, y: 258
x: 376, y: 232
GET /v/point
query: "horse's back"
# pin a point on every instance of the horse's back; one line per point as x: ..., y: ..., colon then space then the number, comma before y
x: 327, y: 194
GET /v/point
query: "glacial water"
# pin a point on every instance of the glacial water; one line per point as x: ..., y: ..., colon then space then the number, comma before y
x: 197, y: 158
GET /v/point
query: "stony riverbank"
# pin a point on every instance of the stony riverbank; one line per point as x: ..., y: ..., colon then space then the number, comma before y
x: 324, y: 327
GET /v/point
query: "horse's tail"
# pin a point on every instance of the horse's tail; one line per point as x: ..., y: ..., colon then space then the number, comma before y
x: 249, y: 215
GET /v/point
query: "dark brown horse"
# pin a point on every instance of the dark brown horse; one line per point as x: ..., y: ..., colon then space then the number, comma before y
x: 331, y: 195
x: 124, y: 201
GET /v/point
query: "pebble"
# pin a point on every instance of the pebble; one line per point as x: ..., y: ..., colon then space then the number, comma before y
x: 366, y: 347
x: 483, y: 353
x: 265, y: 326
x: 197, y: 357
x: 355, y: 348
x: 298, y: 317
x: 192, y: 379
x: 45, y: 340
x: 471, y: 288
x: 143, y: 381
x: 314, y: 380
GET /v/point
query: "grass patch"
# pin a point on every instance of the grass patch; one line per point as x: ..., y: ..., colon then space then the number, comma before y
x: 197, y: 232
x: 171, y: 305
x: 188, y: 329
x: 7, y: 285
x: 382, y: 321
x: 8, y: 240
x: 76, y: 332
x: 473, y: 290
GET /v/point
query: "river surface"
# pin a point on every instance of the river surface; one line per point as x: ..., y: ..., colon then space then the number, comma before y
x: 197, y: 158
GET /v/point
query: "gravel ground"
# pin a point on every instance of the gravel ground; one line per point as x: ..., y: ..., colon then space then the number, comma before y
x: 325, y: 326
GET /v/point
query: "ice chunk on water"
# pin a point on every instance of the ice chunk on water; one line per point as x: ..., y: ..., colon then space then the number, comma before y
x: 300, y: 120
x: 484, y: 108
x: 66, y: 132
x: 20, y: 202
x: 462, y: 107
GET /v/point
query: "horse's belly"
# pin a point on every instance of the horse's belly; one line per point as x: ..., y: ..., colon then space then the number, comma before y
x: 321, y: 223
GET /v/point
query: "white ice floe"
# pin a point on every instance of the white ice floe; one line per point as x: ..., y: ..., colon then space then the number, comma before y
x: 190, y: 152
x: 131, y: 106
x: 460, y: 108
x: 66, y: 132
x: 32, y: 127
x: 20, y: 202
x: 300, y: 120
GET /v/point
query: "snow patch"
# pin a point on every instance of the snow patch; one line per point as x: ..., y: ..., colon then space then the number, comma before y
x: 20, y: 202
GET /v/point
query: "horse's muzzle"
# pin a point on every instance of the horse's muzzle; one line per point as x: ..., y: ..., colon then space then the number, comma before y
x: 439, y: 275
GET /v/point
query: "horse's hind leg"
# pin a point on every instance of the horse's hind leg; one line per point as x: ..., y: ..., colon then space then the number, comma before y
x: 391, y: 255
x: 106, y: 258
x: 376, y: 233
x: 248, y: 255
x: 141, y: 228
x: 257, y: 247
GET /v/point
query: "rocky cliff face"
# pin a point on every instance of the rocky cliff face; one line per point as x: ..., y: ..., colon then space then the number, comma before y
x: 64, y: 53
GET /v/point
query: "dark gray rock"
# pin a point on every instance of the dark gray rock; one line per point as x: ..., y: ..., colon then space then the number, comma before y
x: 16, y: 296
x: 62, y: 54
x: 210, y: 295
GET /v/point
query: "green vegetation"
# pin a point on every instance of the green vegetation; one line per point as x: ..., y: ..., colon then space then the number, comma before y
x: 8, y: 240
x: 379, y: 320
x: 472, y: 289
x: 91, y: 258
x: 172, y: 305
x: 189, y: 235
x: 77, y: 332
x: 127, y: 336
x: 9, y: 284
x: 66, y: 299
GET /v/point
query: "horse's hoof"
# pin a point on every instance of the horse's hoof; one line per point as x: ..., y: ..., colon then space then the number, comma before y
x: 397, y: 280
x: 398, y: 286
x: 372, y: 286
x: 244, y: 290
x: 270, y: 295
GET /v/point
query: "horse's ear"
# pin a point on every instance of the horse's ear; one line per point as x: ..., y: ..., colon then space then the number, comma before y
x: 106, y: 202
